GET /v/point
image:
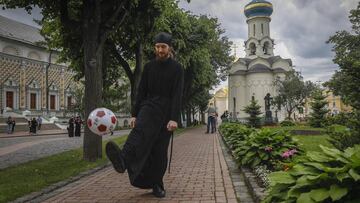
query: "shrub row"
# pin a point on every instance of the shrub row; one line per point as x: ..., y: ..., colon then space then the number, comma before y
x: 331, y: 175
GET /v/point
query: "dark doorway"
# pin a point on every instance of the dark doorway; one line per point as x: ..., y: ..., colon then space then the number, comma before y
x: 10, y: 99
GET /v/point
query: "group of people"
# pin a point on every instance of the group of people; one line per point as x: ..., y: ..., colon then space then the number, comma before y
x: 213, y: 117
x: 10, y: 125
x: 74, y: 123
x: 34, y: 125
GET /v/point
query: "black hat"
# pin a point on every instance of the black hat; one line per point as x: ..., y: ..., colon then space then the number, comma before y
x: 163, y: 37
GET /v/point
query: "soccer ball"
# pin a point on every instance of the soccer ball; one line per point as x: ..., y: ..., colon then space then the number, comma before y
x: 101, y: 121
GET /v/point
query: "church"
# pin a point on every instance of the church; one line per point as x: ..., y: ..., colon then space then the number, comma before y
x: 253, y: 76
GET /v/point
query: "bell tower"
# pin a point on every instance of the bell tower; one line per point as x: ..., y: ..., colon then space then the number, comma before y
x: 259, y: 43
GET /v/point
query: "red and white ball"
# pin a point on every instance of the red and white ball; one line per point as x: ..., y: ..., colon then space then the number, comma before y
x: 101, y: 121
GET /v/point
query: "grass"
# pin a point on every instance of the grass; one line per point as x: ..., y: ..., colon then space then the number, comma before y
x: 299, y: 127
x: 32, y: 176
x: 312, y: 142
x: 36, y: 175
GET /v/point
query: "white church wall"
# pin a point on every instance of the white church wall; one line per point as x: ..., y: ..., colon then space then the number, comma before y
x: 259, y: 84
x: 260, y: 31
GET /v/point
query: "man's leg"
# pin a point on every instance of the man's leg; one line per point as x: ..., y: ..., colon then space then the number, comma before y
x: 114, y: 154
x: 159, y: 162
x: 213, y: 125
x: 137, y: 146
x: 208, y: 124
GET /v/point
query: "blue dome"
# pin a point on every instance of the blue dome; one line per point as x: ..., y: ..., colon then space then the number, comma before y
x: 258, y: 8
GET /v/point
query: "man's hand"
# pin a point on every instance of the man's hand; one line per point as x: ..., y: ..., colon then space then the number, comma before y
x: 172, y: 125
x: 132, y: 122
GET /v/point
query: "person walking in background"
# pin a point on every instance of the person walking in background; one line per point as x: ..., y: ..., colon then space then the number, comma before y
x: 39, y: 121
x: 70, y: 127
x: 33, y: 126
x: 78, y: 123
x: 211, y: 118
x: 9, y: 125
x: 29, y: 125
x: 13, y: 125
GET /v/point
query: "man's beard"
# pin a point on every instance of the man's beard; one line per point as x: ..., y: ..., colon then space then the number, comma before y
x: 162, y: 57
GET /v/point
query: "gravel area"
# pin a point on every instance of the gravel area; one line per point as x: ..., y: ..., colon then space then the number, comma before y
x: 41, y: 146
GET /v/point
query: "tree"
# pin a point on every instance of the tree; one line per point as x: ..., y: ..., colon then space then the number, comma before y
x: 94, y: 21
x: 346, y: 46
x: 253, y: 109
x: 319, y: 110
x: 345, y: 82
x: 292, y: 91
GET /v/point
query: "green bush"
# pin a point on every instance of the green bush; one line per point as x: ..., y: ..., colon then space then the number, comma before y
x: 328, y: 176
x: 234, y: 133
x: 342, y: 118
x: 342, y: 137
x: 286, y: 123
x: 266, y: 147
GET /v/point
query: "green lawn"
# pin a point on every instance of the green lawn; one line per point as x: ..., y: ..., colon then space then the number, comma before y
x: 32, y: 176
x: 312, y: 142
x: 299, y: 127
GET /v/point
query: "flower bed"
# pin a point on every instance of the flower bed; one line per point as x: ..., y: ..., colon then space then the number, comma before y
x: 259, y: 151
x: 272, y: 156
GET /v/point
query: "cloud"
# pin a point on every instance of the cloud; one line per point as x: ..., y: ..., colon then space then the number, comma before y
x: 300, y: 29
x: 21, y: 15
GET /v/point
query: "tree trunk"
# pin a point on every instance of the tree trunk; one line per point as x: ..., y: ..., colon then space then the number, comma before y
x: 93, y: 53
x: 137, y: 73
x: 182, y: 116
x: 202, y: 117
x: 188, y: 117
x: 289, y: 115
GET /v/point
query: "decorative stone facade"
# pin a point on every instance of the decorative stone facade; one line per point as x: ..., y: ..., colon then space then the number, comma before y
x: 23, y: 69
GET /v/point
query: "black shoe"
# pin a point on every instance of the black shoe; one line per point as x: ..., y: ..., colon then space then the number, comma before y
x: 113, y: 152
x: 158, y: 191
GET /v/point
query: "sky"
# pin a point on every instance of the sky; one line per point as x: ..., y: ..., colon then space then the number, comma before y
x: 300, y: 29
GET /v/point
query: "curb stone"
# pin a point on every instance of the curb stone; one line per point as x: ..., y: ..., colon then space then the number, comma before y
x: 257, y: 192
x: 241, y: 190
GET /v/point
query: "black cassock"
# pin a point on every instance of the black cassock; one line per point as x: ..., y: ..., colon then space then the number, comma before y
x: 158, y: 101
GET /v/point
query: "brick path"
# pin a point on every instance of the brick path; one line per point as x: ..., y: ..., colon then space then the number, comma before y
x: 198, y: 174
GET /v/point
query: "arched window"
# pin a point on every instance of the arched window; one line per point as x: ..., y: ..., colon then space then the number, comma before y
x: 254, y: 30
x: 266, y: 48
x: 262, y: 29
x: 252, y: 49
x: 234, y: 107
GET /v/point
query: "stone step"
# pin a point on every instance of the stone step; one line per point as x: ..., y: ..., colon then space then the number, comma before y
x: 17, y: 119
x: 25, y: 127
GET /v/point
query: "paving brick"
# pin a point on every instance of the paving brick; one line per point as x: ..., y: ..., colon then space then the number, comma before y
x: 198, y: 174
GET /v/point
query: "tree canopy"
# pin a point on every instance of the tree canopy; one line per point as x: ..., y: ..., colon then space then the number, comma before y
x: 346, y: 46
x: 292, y: 92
